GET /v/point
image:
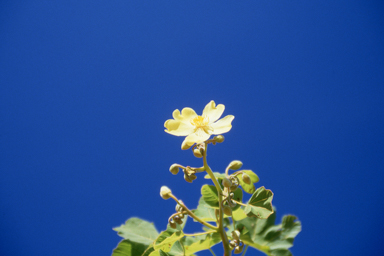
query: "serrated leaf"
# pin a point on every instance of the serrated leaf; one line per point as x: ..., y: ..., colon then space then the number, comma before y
x: 138, y: 230
x: 129, y: 248
x: 248, y: 188
x: 264, y: 235
x: 210, y: 195
x: 260, y: 204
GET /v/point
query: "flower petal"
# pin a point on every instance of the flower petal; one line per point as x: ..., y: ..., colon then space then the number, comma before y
x: 178, y: 128
x: 197, y: 137
x: 213, y: 112
x: 186, y: 115
x: 223, y: 125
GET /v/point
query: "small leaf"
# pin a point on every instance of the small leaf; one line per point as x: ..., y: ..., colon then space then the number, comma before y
x: 138, y: 230
x: 260, y: 204
x: 218, y: 176
x: 210, y: 196
x: 128, y: 248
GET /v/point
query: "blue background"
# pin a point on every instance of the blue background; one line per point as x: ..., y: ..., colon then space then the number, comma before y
x: 87, y: 85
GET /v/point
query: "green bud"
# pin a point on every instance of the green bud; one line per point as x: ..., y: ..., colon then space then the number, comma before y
x: 219, y: 138
x: 232, y: 244
x: 233, y: 187
x: 227, y: 183
x: 165, y: 192
x: 235, y: 165
x: 197, y: 153
x: 227, y: 210
x: 181, y: 215
x: 174, y: 169
x: 246, y: 178
x: 172, y: 224
x: 192, y: 176
x: 236, y: 235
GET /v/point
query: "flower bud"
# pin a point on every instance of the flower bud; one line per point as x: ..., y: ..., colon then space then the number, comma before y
x: 232, y: 244
x: 197, y: 153
x: 172, y: 224
x: 177, y: 219
x: 227, y: 210
x: 187, y: 178
x: 226, y: 183
x: 236, y: 235
x: 178, y: 207
x: 174, y: 169
x: 233, y: 187
x: 165, y: 192
x: 246, y: 178
x: 219, y: 138
x: 235, y: 165
x: 192, y: 176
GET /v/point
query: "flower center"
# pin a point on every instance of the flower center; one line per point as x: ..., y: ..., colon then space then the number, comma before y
x: 200, y: 121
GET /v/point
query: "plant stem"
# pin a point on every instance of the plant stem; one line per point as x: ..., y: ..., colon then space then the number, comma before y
x: 245, y: 250
x: 202, y: 233
x: 224, y: 238
x: 190, y: 213
x: 212, y: 252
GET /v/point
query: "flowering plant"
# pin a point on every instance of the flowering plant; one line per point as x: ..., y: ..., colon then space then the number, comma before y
x: 221, y: 210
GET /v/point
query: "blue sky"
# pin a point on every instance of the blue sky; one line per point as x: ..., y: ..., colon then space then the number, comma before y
x: 87, y: 85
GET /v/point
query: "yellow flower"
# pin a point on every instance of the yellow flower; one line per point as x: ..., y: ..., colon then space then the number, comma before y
x: 198, y: 128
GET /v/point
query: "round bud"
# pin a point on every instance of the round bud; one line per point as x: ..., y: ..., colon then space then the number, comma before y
x: 187, y: 178
x: 246, y: 178
x: 174, y: 169
x: 177, y: 219
x: 235, y: 165
x: 192, y: 176
x: 219, y: 138
x: 181, y: 215
x: 227, y: 210
x: 172, y: 224
x: 236, y: 235
x: 232, y: 244
x: 165, y: 192
x: 197, y: 153
x: 233, y: 187
x: 227, y: 183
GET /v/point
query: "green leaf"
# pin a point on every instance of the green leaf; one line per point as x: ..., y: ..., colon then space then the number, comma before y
x: 248, y: 188
x: 148, y: 251
x: 138, y: 230
x: 129, y: 248
x: 210, y: 196
x: 260, y: 204
x: 200, y: 243
x: 264, y: 235
x: 239, y: 214
x: 166, y: 240
x: 205, y: 212
x: 218, y: 176
x: 238, y: 196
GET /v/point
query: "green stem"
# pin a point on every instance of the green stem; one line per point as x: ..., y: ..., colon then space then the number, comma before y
x: 224, y: 238
x: 190, y: 213
x: 212, y: 252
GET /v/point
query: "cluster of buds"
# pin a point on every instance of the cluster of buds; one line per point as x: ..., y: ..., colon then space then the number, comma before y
x: 228, y: 204
x: 189, y: 174
x: 199, y: 150
x: 236, y: 242
x: 178, y: 216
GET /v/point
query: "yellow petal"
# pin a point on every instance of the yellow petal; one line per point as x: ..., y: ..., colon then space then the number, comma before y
x: 186, y: 115
x: 223, y: 125
x: 197, y: 137
x: 178, y: 128
x: 213, y: 112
